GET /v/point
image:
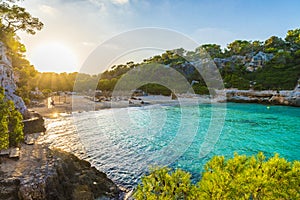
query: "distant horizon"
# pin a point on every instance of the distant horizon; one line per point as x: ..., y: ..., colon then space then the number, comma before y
x: 69, y: 37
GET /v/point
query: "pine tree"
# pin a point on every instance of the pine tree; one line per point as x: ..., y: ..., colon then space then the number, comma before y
x: 241, y: 177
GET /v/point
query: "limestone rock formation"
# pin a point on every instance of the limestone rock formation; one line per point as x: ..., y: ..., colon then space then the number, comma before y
x: 44, y: 174
x: 285, y: 97
x: 7, y: 80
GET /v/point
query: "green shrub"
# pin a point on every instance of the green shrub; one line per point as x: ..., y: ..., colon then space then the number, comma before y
x: 11, y: 126
x: 240, y: 177
x: 4, y: 137
x: 15, y: 125
x: 164, y: 184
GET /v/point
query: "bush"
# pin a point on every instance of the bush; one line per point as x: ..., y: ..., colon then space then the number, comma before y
x: 15, y: 125
x: 200, y: 89
x: 11, y: 126
x: 240, y: 177
x: 4, y: 137
x: 164, y: 184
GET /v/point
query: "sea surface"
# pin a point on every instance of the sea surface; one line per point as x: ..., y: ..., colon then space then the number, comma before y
x: 125, y: 142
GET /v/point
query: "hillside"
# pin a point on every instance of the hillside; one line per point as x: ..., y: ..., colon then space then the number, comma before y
x: 260, y: 65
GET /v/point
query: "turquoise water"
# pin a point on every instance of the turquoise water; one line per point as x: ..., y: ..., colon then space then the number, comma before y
x: 125, y: 142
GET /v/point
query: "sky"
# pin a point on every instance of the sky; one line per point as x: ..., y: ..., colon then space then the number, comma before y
x: 73, y: 29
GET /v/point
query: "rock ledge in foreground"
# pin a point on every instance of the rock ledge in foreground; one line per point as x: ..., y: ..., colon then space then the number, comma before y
x: 76, y: 179
x: 59, y: 176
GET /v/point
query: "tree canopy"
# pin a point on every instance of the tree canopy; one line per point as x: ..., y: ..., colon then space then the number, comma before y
x: 281, y: 72
x: 14, y: 18
x: 241, y: 177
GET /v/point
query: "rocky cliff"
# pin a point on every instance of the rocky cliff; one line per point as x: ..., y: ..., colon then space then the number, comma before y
x: 288, y: 97
x: 7, y: 80
x: 42, y: 173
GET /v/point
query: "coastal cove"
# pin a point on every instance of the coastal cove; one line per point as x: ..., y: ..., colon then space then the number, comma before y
x: 123, y: 152
x: 159, y: 100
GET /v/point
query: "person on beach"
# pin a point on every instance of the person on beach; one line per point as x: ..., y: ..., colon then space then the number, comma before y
x: 52, y: 102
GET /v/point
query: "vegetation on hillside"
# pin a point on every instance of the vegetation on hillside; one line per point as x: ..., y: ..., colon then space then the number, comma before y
x: 14, y: 18
x: 240, y: 177
x: 280, y: 72
x: 11, y: 126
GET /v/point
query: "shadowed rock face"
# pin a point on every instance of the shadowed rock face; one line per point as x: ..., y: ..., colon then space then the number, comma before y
x: 34, y: 124
x: 9, y: 189
x: 7, y: 80
x: 53, y: 174
x: 76, y: 179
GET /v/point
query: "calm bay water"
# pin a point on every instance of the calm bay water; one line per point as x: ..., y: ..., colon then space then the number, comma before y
x: 123, y: 142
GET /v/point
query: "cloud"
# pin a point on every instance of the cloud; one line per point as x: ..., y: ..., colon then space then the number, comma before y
x: 99, y: 3
x: 120, y: 2
x: 47, y: 9
x: 103, y: 3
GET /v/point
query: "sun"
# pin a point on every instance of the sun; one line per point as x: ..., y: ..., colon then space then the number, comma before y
x: 54, y: 57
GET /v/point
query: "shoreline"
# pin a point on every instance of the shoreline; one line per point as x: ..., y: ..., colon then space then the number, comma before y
x: 42, y: 148
x: 42, y: 171
x: 78, y: 103
x: 21, y: 177
x: 266, y: 97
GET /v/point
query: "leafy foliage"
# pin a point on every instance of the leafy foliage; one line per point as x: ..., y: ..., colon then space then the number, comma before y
x: 281, y: 72
x: 11, y: 126
x: 14, y: 18
x: 15, y: 125
x: 164, y: 184
x: 4, y: 136
x: 239, y: 47
x: 55, y: 82
x: 240, y: 177
x: 156, y: 89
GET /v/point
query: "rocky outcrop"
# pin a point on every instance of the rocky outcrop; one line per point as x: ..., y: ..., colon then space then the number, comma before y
x: 289, y: 98
x: 7, y: 80
x: 54, y: 175
x: 76, y: 179
x: 294, y: 97
x: 71, y: 178
x: 34, y: 124
x: 9, y: 189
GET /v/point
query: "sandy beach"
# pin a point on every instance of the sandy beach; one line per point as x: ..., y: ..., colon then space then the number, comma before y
x: 76, y: 103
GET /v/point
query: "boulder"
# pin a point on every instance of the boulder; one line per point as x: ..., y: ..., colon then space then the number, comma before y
x: 4, y: 152
x: 42, y: 173
x: 76, y: 179
x: 14, y: 153
x: 29, y: 139
x: 35, y: 124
